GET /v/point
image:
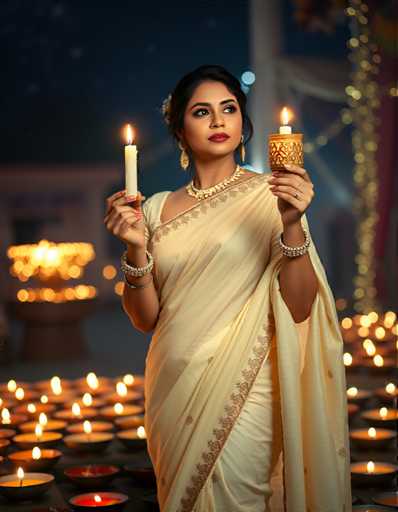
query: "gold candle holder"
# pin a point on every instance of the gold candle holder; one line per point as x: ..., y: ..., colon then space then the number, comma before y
x: 285, y: 147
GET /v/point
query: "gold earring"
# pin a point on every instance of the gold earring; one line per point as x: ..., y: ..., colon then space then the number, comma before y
x: 242, y: 150
x: 184, y: 158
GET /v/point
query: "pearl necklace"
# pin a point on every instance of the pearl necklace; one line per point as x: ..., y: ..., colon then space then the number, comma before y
x: 202, y: 193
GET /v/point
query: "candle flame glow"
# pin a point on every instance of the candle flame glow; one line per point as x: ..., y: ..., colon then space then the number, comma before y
x: 36, y: 453
x: 121, y: 389
x: 76, y: 409
x: 378, y: 360
x: 5, y: 416
x: 87, y: 427
x: 118, y: 407
x: 87, y: 399
x: 285, y: 116
x: 97, y: 498
x: 347, y: 358
x: 92, y: 381
x: 346, y: 323
x: 19, y: 394
x: 129, y: 134
x: 380, y: 332
x: 43, y: 419
x: 383, y: 412
x: 370, y: 467
x: 11, y: 386
x: 141, y: 432
x: 20, y: 473
x: 128, y: 379
x: 390, y: 388
x: 372, y: 432
x: 38, y: 430
x: 44, y: 399
x: 352, y: 392
x: 31, y: 408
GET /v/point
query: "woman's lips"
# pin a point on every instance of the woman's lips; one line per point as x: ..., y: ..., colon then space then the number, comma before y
x: 219, y: 138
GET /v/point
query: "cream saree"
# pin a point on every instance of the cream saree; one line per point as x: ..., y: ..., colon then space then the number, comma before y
x: 245, y: 410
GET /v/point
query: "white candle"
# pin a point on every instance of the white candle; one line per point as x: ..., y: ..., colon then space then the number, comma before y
x: 285, y: 129
x: 130, y: 158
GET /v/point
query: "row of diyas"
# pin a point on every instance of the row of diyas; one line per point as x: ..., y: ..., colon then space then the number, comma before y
x: 380, y: 327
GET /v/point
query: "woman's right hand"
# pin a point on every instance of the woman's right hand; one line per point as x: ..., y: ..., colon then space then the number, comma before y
x: 124, y: 218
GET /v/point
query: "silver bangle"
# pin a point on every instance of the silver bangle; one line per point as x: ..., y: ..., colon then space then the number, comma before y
x: 129, y: 270
x: 134, y: 286
x: 292, y: 252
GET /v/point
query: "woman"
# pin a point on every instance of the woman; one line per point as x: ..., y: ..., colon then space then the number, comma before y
x: 244, y: 380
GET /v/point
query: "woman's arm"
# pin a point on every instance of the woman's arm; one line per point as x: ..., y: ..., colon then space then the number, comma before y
x: 297, y: 278
x: 140, y: 304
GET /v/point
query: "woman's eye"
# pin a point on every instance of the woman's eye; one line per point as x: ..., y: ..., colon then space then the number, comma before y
x: 197, y: 112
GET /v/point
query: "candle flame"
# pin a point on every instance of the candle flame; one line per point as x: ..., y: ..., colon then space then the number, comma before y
x: 38, y: 430
x: 352, y: 392
x: 121, y: 389
x: 97, y: 498
x: 43, y: 419
x: 31, y: 408
x: 129, y: 134
x: 365, y: 321
x: 87, y: 399
x: 76, y: 409
x: 92, y: 381
x: 128, y: 379
x: 285, y: 116
x: 36, y: 453
x: 19, y: 394
x: 380, y: 332
x: 347, y: 358
x: 372, y: 432
x: 44, y: 399
x: 378, y: 360
x: 55, y: 381
x: 87, y: 427
x: 383, y: 412
x: 11, y: 386
x: 346, y: 323
x: 20, y: 473
x: 118, y: 407
x: 390, y: 388
x: 5, y: 416
x: 141, y: 432
x: 370, y: 467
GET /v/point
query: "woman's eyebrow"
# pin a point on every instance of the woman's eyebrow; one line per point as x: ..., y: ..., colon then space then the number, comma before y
x: 209, y: 104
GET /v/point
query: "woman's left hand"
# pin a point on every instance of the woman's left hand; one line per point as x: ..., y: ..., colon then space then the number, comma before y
x: 295, y: 192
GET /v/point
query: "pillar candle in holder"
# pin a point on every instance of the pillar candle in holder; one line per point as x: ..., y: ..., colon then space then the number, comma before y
x: 130, y: 158
x: 285, y: 147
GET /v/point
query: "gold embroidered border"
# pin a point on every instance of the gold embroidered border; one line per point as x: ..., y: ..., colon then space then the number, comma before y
x: 232, y: 410
x: 203, y: 206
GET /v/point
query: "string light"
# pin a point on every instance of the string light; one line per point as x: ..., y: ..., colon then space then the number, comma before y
x: 364, y: 99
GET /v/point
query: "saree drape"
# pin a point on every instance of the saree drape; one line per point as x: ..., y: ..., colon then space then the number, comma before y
x: 221, y: 317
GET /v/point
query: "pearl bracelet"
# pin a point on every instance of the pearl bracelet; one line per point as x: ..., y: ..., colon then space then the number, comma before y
x: 292, y: 252
x: 129, y: 270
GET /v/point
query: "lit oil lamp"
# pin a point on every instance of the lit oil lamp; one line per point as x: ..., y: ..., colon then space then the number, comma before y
x: 348, y: 330
x: 372, y: 473
x: 143, y: 475
x: 358, y: 396
x: 134, y: 439
x: 7, y: 403
x: 92, y: 475
x: 89, y: 441
x: 42, y: 439
x: 285, y: 147
x: 94, y: 385
x: 130, y: 422
x: 34, y: 409
x: 380, y: 365
x: 352, y: 364
x: 119, y: 410
x: 99, y: 501
x: 123, y: 394
x: 88, y: 401
x: 76, y: 413
x: 132, y: 381
x: 25, y: 395
x: 54, y: 383
x: 7, y: 433
x: 46, y: 424
x: 387, y: 394
x: 35, y: 459
x: 12, y: 420
x: 383, y: 417
x: 96, y: 426
x: 387, y: 499
x: 372, y: 438
x: 21, y: 486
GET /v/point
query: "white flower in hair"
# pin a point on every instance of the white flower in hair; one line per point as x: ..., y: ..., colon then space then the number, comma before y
x: 166, y: 109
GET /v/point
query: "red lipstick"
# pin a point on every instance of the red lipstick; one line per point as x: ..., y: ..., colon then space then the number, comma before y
x: 219, y: 137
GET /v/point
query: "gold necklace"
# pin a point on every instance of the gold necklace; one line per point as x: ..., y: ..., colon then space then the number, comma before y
x: 202, y: 193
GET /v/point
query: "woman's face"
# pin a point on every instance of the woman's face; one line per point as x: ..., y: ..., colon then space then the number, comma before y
x: 213, y: 109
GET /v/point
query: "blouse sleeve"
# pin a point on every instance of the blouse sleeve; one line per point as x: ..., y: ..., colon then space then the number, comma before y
x: 146, y: 210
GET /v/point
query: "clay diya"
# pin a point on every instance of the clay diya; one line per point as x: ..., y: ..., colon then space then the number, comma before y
x: 372, y: 473
x: 352, y: 410
x: 76, y: 413
x: 34, y: 409
x: 11, y: 420
x: 358, y: 396
x: 134, y: 439
x: 7, y: 433
x: 35, y: 460
x: 129, y: 422
x: 143, y: 475
x: 92, y: 475
x: 51, y: 425
x: 388, y: 499
x: 120, y: 410
x: 37, y: 438
x: 109, y: 501
x: 372, y: 438
x: 96, y: 426
x: 4, y: 444
x: 88, y: 441
x: 131, y: 380
x: 25, y: 486
x: 387, y: 394
x: 383, y: 417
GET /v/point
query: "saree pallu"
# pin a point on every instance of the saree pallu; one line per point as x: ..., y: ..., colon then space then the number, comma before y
x: 221, y: 314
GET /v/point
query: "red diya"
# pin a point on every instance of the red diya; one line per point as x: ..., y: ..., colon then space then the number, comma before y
x: 29, y: 460
x: 30, y: 486
x: 129, y: 422
x: 51, y: 425
x: 4, y: 444
x: 92, y: 475
x: 372, y: 438
x: 30, y: 440
x: 383, y: 417
x: 33, y: 409
x: 7, y: 433
x: 117, y: 412
x: 99, y: 501
x: 96, y: 426
x: 93, y: 442
x: 372, y: 473
x: 68, y: 415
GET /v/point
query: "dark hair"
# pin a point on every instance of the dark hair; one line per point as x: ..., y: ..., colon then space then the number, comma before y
x: 185, y: 88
